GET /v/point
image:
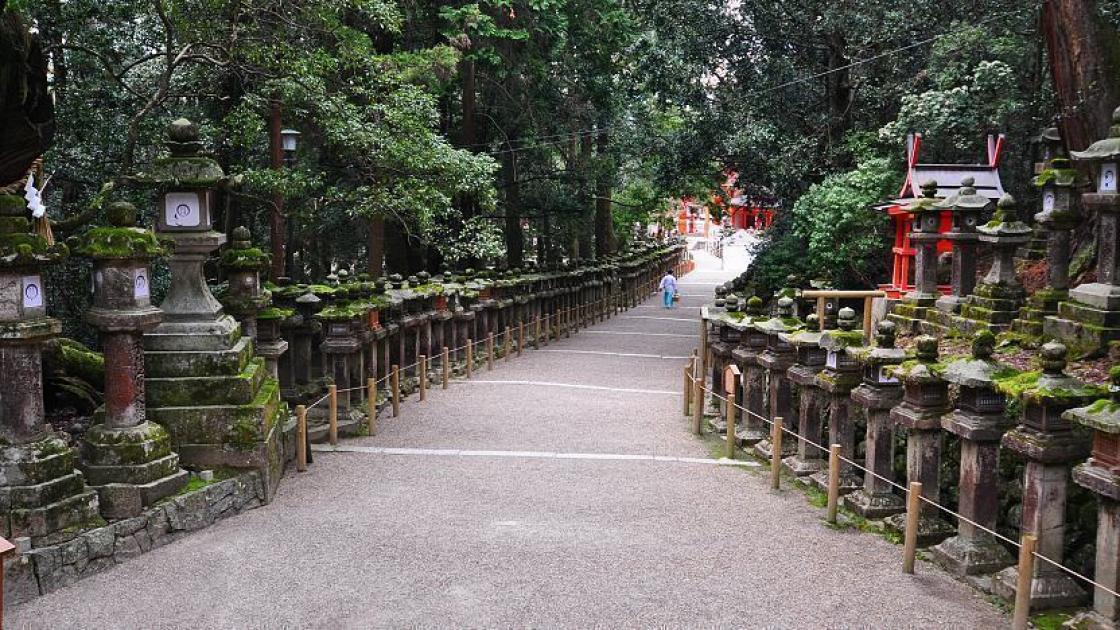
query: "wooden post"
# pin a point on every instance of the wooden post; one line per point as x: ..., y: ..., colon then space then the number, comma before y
x: 776, y: 453
x: 703, y: 354
x: 396, y: 390
x: 867, y: 319
x: 301, y: 438
x: 508, y: 344
x: 833, y: 481
x: 537, y: 333
x: 470, y: 358
x: 423, y: 365
x: 687, y: 386
x: 1021, y: 617
x: 731, y: 411
x: 490, y: 352
x: 697, y: 406
x: 371, y: 402
x: 913, y: 512
x: 446, y: 367
x: 547, y: 329
x: 520, y: 337
x: 333, y: 435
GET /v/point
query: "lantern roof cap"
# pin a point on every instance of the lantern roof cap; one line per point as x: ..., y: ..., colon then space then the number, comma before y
x: 1105, y: 149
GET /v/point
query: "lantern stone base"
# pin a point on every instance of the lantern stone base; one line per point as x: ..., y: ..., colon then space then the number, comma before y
x: 1050, y: 588
x: 1040, y: 304
x: 909, y: 312
x: 802, y: 467
x: 849, y: 481
x: 1083, y: 326
x: 44, y: 498
x: 992, y: 307
x: 978, y: 556
x: 876, y: 505
x: 764, y: 447
x: 130, y: 468
x: 217, y: 402
x: 931, y: 528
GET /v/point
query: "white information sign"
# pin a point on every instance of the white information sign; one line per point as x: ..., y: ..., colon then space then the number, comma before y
x: 140, y: 284
x: 32, y: 292
x: 1108, y: 178
x: 181, y: 209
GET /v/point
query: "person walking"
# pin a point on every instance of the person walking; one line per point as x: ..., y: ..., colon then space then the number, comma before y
x: 668, y: 289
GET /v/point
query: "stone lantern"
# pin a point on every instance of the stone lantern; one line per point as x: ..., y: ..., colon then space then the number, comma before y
x: 46, y: 497
x: 878, y: 394
x: 243, y: 264
x: 778, y: 357
x: 197, y: 359
x: 925, y: 219
x: 342, y: 346
x: 841, y: 374
x: 1047, y: 146
x: 999, y: 295
x: 979, y: 421
x: 813, y: 401
x: 925, y: 400
x: 127, y: 459
x: 1050, y: 446
x: 1101, y: 474
x: 967, y: 207
x: 752, y: 342
x: 1095, y: 306
x: 1060, y: 213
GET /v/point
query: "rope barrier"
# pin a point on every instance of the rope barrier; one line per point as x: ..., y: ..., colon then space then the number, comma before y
x: 1016, y: 544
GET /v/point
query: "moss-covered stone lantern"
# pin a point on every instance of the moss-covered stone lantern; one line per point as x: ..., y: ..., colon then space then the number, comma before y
x: 198, y: 359
x: 752, y: 342
x: 46, y: 497
x: 1049, y: 444
x: 925, y: 400
x: 778, y: 357
x: 1095, y: 306
x: 878, y: 394
x: 999, y: 295
x: 243, y: 264
x: 127, y: 459
x: 979, y: 421
x: 967, y: 207
x: 925, y: 219
x: 1101, y: 474
x: 812, y: 401
x: 841, y: 374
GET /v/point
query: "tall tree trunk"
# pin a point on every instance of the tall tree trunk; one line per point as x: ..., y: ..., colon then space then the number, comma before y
x: 468, y: 137
x: 277, y: 229
x: 1084, y: 61
x: 604, y: 221
x: 515, y: 238
x: 376, y: 263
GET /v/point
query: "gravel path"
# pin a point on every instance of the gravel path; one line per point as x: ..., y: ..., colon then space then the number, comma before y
x: 450, y: 540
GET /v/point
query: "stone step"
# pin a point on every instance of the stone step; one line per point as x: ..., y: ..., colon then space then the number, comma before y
x: 179, y: 363
x: 221, y: 424
x: 42, y: 494
x: 201, y: 390
x: 55, y: 522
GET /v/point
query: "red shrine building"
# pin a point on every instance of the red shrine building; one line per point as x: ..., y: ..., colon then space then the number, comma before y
x: 948, y: 178
x: 736, y: 206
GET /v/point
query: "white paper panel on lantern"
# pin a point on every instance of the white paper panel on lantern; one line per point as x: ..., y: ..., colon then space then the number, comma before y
x: 181, y: 209
x: 832, y: 360
x: 1047, y: 201
x: 140, y: 284
x: 885, y: 375
x: 1108, y: 178
x: 32, y: 292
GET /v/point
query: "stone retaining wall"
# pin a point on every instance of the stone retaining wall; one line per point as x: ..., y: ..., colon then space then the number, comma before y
x: 45, y: 569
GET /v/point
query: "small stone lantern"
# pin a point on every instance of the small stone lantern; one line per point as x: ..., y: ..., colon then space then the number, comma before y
x: 32, y: 456
x: 967, y: 207
x: 243, y: 264
x: 841, y: 374
x: 999, y: 295
x: 813, y: 401
x: 980, y: 422
x: 778, y: 357
x: 752, y: 342
x: 878, y: 394
x: 126, y: 458
x: 1050, y: 446
x: 1101, y: 474
x: 925, y: 400
x: 1098, y: 303
x: 925, y: 219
